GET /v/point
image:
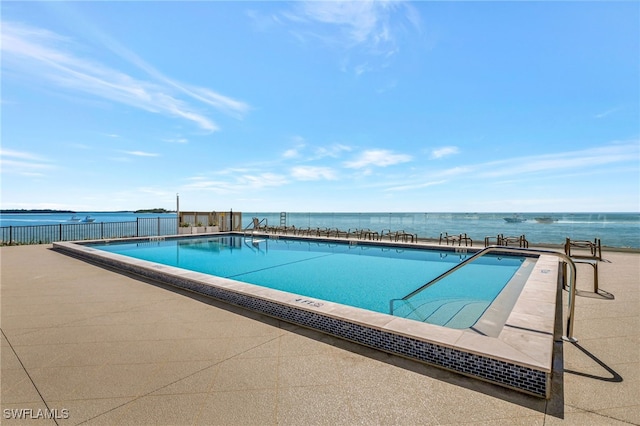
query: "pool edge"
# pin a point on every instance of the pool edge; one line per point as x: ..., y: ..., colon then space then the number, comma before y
x: 519, y: 358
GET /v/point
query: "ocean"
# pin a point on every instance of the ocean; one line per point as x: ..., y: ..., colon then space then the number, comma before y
x: 621, y: 230
x: 33, y: 219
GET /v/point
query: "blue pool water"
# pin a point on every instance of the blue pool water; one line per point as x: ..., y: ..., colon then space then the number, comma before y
x: 363, y: 276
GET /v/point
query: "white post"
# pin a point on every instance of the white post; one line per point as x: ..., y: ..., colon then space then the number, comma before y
x: 177, y: 213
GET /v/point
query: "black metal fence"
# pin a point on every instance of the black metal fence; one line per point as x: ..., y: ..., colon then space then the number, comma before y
x: 42, y: 234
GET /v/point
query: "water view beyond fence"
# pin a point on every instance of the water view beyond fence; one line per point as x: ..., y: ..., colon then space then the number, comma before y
x: 614, y: 229
x: 42, y: 234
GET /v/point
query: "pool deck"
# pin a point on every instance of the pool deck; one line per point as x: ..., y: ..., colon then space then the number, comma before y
x: 94, y: 346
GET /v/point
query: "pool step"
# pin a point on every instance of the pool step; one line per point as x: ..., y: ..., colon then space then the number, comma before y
x: 468, y: 315
x: 454, y: 313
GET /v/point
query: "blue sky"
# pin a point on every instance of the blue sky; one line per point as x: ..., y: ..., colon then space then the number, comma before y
x: 321, y: 106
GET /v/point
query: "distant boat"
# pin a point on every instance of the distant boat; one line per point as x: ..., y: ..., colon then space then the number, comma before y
x: 88, y: 219
x: 74, y: 219
x: 545, y: 219
x: 514, y: 219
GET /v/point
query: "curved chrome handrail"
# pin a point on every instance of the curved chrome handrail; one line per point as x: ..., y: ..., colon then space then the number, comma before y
x: 503, y: 249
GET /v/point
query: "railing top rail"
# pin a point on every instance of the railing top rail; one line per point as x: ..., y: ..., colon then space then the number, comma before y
x: 41, y: 234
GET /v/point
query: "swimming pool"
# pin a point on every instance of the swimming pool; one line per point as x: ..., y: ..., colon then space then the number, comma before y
x: 505, y: 336
x: 363, y: 276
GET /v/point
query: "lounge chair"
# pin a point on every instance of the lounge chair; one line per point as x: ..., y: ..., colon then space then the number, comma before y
x: 335, y: 232
x: 355, y: 232
x: 595, y: 255
x: 393, y: 235
x: 489, y: 241
x: 406, y: 237
x: 521, y: 240
x: 595, y: 248
x: 306, y: 231
x: 444, y: 236
x: 455, y: 238
x: 285, y: 229
x: 387, y: 233
x: 368, y: 234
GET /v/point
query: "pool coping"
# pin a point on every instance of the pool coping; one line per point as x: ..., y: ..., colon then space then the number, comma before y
x: 519, y: 357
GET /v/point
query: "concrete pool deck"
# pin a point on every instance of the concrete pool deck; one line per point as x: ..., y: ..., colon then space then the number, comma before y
x: 94, y: 346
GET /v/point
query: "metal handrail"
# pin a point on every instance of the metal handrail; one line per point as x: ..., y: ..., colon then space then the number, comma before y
x: 247, y: 228
x: 572, y: 281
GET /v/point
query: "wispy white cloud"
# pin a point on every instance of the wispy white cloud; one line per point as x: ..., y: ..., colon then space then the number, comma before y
x: 587, y: 162
x: 444, y: 151
x: 607, y: 112
x: 236, y: 182
x: 291, y: 153
x: 583, y: 159
x: 388, y: 86
x: 547, y: 168
x: 261, y: 180
x: 22, y: 155
x: 156, y: 192
x: 233, y: 171
x: 415, y: 186
x: 221, y: 102
x: 357, y: 21
x: 306, y: 152
x: 313, y: 173
x: 22, y: 167
x: 369, y: 29
x: 262, y: 22
x: 332, y: 151
x: 378, y: 158
x: 24, y: 163
x: 457, y: 171
x: 47, y: 56
x: 200, y: 184
x: 141, y: 154
x: 362, y: 68
x: 295, y: 151
x: 179, y: 140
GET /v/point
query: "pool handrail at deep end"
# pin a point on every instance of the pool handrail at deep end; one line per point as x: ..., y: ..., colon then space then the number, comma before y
x: 512, y: 250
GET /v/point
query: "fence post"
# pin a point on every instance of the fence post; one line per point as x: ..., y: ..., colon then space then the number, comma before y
x: 101, y: 230
x: 10, y: 235
x: 137, y: 226
x: 158, y: 227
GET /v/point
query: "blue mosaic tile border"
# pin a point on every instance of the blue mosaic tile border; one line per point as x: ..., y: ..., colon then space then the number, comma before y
x: 500, y: 372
